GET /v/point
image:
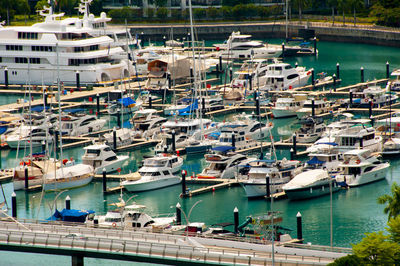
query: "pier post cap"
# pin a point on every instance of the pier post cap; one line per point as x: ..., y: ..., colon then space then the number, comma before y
x: 291, y: 150
x: 283, y: 43
x: 142, y: 33
x: 173, y: 131
x: 77, y: 71
x: 114, y: 129
x: 230, y: 68
x: 150, y: 96
x: 5, y: 69
x: 97, y: 95
x: 164, y: 37
x: 362, y: 68
x: 334, y: 75
x: 178, y: 205
x: 188, y: 33
x: 257, y: 98
x: 13, y: 194
x: 294, y: 135
x: 104, y: 170
x: 337, y: 64
x: 183, y: 172
x: 235, y: 210
x: 68, y: 197
x: 387, y: 62
x: 298, y: 214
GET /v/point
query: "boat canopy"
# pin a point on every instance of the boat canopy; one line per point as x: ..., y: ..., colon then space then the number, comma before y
x: 189, y: 108
x: 39, y: 108
x: 70, y: 215
x: 127, y: 101
x: 74, y: 110
x: 315, y: 160
x: 328, y: 143
x: 223, y: 148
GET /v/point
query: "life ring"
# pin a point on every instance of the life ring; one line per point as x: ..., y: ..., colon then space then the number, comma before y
x: 358, y: 162
x: 114, y: 225
x: 366, y: 100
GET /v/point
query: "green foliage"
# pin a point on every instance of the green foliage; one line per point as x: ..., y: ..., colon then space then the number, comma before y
x: 212, y: 12
x: 162, y: 13
x: 160, y: 3
x: 96, y: 7
x: 125, y: 13
x: 394, y: 229
x: 393, y: 201
x: 263, y: 11
x: 176, y: 14
x: 67, y: 6
x: 386, y: 16
x: 226, y: 11
x: 40, y: 4
x: 376, y: 249
x: 349, y: 260
x: 150, y: 12
x: 199, y: 13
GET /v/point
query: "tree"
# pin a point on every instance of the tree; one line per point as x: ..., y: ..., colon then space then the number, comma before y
x: 40, y: 4
x: 212, y: 12
x: 342, y: 6
x: 160, y: 3
x: 376, y: 249
x: 162, y: 13
x: 393, y: 201
x: 355, y: 4
x: 394, y: 229
x: 333, y: 4
x: 349, y: 260
x: 301, y: 4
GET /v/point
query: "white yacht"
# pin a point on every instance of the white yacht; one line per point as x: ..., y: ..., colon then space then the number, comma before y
x: 26, y: 135
x: 62, y: 48
x: 156, y: 172
x: 101, y: 157
x: 310, y: 184
x: 360, y: 167
x: 125, y: 136
x: 240, y: 46
x: 223, y: 163
x: 374, y: 95
x: 282, y: 76
x: 279, y: 173
x: 391, y: 147
x: 310, y: 130
x: 78, y: 124
x: 288, y: 106
x: 394, y: 84
x: 358, y: 136
x: 68, y: 176
x: 196, y: 128
x: 320, y: 107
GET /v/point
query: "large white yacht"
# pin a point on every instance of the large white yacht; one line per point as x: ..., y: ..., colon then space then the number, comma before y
x: 240, y: 46
x: 26, y: 136
x: 41, y: 53
x: 361, y: 167
x: 288, y: 106
x: 78, y: 124
x: 373, y: 95
x: 101, y: 157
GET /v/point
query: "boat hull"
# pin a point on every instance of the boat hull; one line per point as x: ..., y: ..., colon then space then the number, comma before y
x: 282, y: 113
x: 68, y: 183
x: 254, y: 190
x: 140, y: 185
x: 113, y: 166
x: 34, y: 181
x: 310, y: 191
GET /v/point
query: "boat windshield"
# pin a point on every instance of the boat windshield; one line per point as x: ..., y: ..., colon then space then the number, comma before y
x: 113, y: 219
x: 91, y: 152
x: 149, y: 173
x: 154, y: 163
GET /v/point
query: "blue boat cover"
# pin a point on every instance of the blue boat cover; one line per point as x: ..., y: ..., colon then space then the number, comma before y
x: 38, y: 108
x: 74, y: 110
x: 328, y: 143
x: 127, y: 101
x: 70, y: 215
x: 315, y: 160
x: 357, y: 100
x: 223, y: 148
x: 190, y: 108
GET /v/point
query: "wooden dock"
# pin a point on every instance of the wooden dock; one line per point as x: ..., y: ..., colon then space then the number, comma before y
x: 223, y: 183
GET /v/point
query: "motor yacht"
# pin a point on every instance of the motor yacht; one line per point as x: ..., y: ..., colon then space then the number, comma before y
x: 63, y: 48
x: 310, y: 184
x: 156, y: 172
x: 288, y: 106
x: 26, y: 136
x: 391, y: 147
x: 124, y: 137
x: 360, y: 167
x: 75, y: 124
x: 319, y: 107
x: 101, y: 157
x: 310, y: 130
x: 278, y: 173
x: 373, y: 95
x: 394, y: 84
x: 224, y: 163
x: 282, y: 76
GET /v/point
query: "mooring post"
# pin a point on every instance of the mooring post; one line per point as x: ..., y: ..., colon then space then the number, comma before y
x: 165, y: 148
x: 233, y: 140
x: 283, y: 50
x: 169, y: 81
x: 230, y: 74
x: 337, y: 70
x: 119, y: 114
x: 68, y: 203
x: 312, y: 107
x: 26, y: 177
x: 362, y: 74
x: 104, y: 180
x: 296, y: 65
x: 267, y: 188
x: 98, y: 104
x: 220, y: 64
x: 294, y: 144
x: 178, y: 214
x: 315, y: 45
x: 14, y: 205
x: 351, y: 99
x: 6, y: 77
x: 192, y: 75
x: 56, y: 136
x: 236, y: 220
x: 387, y: 70
x: 173, y: 142
x: 150, y: 102
x: 258, y: 107
x: 334, y: 82
x: 164, y: 41
x: 183, y: 173
x: 203, y: 105
x: 45, y: 99
x: 299, y: 227
x: 291, y: 154
x: 78, y: 80
x: 250, y: 82
x: 114, y: 138
x: 312, y: 77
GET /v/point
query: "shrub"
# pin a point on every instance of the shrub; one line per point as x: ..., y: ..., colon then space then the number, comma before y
x: 212, y: 12
x: 162, y: 13
x: 199, y: 13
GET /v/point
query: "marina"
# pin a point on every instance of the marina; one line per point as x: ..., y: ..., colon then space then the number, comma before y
x: 237, y: 136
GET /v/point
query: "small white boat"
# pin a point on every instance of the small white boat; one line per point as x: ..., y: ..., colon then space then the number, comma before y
x: 311, y: 130
x: 124, y: 136
x: 78, y: 124
x: 360, y: 167
x: 375, y: 96
x: 69, y: 176
x: 310, y: 184
x: 101, y: 157
x: 391, y: 147
x: 320, y: 107
x: 288, y: 106
x: 26, y: 136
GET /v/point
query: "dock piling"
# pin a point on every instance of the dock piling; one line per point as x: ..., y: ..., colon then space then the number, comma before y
x: 183, y: 172
x: 178, y: 214
x: 233, y: 140
x: 78, y: 80
x: 114, y: 138
x: 296, y: 65
x: 164, y: 41
x: 312, y: 107
x: 337, y: 70
x: 236, y: 219
x: 14, y: 205
x: 230, y: 74
x: 250, y: 82
x: 173, y: 142
x: 294, y: 144
x: 6, y: 77
x: 119, y: 119
x: 315, y: 45
x: 387, y: 70
x: 334, y: 82
x: 220, y: 64
x: 45, y: 99
x: 299, y: 227
x: 26, y: 177
x: 203, y: 105
x: 68, y: 203
x: 98, y: 104
x: 313, y: 77
x: 104, y: 180
x: 150, y: 103
x: 283, y: 50
x: 351, y: 98
x: 258, y: 107
x: 291, y: 154
x: 362, y: 74
x: 267, y: 188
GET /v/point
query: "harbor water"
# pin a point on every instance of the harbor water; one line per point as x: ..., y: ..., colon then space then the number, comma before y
x: 355, y: 210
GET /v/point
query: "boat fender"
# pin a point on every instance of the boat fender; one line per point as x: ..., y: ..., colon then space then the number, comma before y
x: 114, y: 225
x: 366, y: 100
x: 64, y: 161
x: 358, y: 162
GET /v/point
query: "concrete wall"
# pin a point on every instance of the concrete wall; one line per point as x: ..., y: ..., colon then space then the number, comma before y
x: 373, y: 35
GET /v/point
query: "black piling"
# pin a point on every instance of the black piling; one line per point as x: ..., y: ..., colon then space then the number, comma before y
x: 220, y: 64
x: 169, y: 81
x: 104, y: 180
x: 387, y: 70
x: 362, y: 74
x: 312, y: 107
x: 334, y: 82
x: 233, y: 140
x: 267, y: 188
x: 45, y: 99
x: 370, y: 104
x: 173, y: 142
x: 98, y: 104
x: 315, y: 45
x: 299, y: 227
x: 183, y: 182
x: 56, y: 137
x: 165, y: 149
x: 78, y: 80
x: 6, y: 78
x: 236, y: 219
x: 312, y: 77
x: 203, y: 105
x: 258, y: 107
x: 294, y: 144
x: 26, y: 177
x: 351, y: 99
x: 337, y: 71
x: 68, y: 203
x: 150, y: 102
x: 178, y: 214
x: 230, y: 74
x: 283, y: 50
x: 114, y: 138
x: 250, y: 82
x: 96, y: 223
x: 291, y: 154
x: 14, y: 205
x: 165, y: 41
x: 119, y: 119
x: 192, y: 75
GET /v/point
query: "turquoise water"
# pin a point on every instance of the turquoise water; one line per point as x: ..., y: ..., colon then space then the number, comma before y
x: 355, y: 211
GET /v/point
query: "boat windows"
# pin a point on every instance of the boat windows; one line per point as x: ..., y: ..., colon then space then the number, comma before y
x: 112, y: 158
x: 166, y: 172
x: 354, y: 171
x: 293, y: 76
x: 113, y: 220
x: 88, y: 121
x: 34, y: 60
x: 28, y: 35
x: 37, y: 48
x: 369, y: 136
x: 369, y: 168
x: 96, y: 152
x: 14, y: 47
x: 288, y: 67
x: 21, y: 60
x: 143, y: 127
x: 107, y: 149
x: 348, y: 141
